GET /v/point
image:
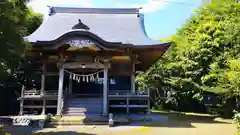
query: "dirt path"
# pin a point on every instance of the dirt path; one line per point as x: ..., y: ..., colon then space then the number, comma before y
x: 175, y: 125
x: 194, y: 129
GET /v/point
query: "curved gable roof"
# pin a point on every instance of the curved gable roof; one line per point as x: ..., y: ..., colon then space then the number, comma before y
x: 125, y: 26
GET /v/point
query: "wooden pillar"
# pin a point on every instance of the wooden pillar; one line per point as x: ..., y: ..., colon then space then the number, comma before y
x: 60, y: 90
x: 43, y: 87
x: 105, y: 91
x: 70, y: 87
x: 133, y: 86
x: 22, y: 100
x: 43, y: 78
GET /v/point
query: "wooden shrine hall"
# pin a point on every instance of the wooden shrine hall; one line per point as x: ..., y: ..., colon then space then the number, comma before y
x: 87, y: 59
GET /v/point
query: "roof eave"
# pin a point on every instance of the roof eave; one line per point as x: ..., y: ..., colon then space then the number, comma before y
x: 75, y: 34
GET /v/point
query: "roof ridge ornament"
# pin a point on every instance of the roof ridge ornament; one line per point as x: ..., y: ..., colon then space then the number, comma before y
x: 80, y: 25
x: 51, y: 10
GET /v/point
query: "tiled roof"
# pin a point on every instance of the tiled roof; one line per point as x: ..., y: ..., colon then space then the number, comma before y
x: 111, y: 25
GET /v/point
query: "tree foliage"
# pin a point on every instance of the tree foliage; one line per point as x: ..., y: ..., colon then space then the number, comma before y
x: 16, y: 21
x: 204, y: 55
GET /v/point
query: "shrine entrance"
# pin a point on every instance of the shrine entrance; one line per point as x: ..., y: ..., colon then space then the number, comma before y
x: 91, y: 52
x: 87, y: 89
x: 85, y: 79
x: 90, y: 88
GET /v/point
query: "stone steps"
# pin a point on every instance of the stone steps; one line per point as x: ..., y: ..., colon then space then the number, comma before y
x: 82, y: 106
x: 86, y: 120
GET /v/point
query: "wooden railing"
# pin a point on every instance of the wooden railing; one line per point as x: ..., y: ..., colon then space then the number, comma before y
x: 124, y: 93
x: 128, y: 100
x: 29, y: 93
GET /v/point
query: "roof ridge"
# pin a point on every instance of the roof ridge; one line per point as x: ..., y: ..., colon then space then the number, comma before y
x: 53, y: 10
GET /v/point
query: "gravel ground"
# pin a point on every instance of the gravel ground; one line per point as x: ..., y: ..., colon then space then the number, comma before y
x: 161, y: 126
x: 196, y: 129
x: 175, y: 128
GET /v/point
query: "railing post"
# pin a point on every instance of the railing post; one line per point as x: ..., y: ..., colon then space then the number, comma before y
x: 133, y: 85
x: 149, y: 102
x: 127, y: 104
x: 44, y: 107
x: 22, y: 100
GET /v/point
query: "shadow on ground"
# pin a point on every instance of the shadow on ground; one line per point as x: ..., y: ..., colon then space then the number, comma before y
x: 31, y: 131
x: 63, y: 133
x: 180, y: 120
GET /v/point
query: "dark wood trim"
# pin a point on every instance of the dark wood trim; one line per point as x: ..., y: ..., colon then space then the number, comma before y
x: 105, y: 45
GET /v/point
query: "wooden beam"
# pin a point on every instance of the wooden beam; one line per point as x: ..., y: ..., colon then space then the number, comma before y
x: 82, y: 53
x: 36, y: 106
x: 119, y: 73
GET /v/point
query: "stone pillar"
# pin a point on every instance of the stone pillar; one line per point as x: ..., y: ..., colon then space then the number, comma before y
x: 133, y: 87
x: 60, y: 90
x: 105, y: 91
x: 43, y: 87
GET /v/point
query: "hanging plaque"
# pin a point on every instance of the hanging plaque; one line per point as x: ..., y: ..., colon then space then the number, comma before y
x: 80, y: 42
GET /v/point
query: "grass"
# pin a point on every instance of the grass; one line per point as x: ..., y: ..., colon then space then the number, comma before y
x: 174, y: 115
x: 166, y: 112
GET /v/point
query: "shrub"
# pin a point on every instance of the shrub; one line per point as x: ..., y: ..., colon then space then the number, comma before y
x: 236, y: 118
x: 3, y: 133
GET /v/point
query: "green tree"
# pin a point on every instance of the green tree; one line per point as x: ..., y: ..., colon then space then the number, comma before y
x: 16, y: 21
x: 204, y: 56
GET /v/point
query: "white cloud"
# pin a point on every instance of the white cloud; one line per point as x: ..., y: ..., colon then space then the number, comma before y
x: 41, y: 5
x: 150, y: 6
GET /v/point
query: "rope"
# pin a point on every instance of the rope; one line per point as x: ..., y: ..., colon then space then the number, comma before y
x: 84, y: 75
x: 87, y: 78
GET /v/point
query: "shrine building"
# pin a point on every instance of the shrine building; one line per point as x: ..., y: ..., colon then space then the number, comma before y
x: 86, y: 60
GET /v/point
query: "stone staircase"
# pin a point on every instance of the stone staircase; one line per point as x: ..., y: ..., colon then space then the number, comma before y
x: 82, y: 106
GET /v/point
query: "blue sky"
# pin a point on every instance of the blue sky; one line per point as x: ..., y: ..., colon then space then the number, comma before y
x: 162, y: 17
